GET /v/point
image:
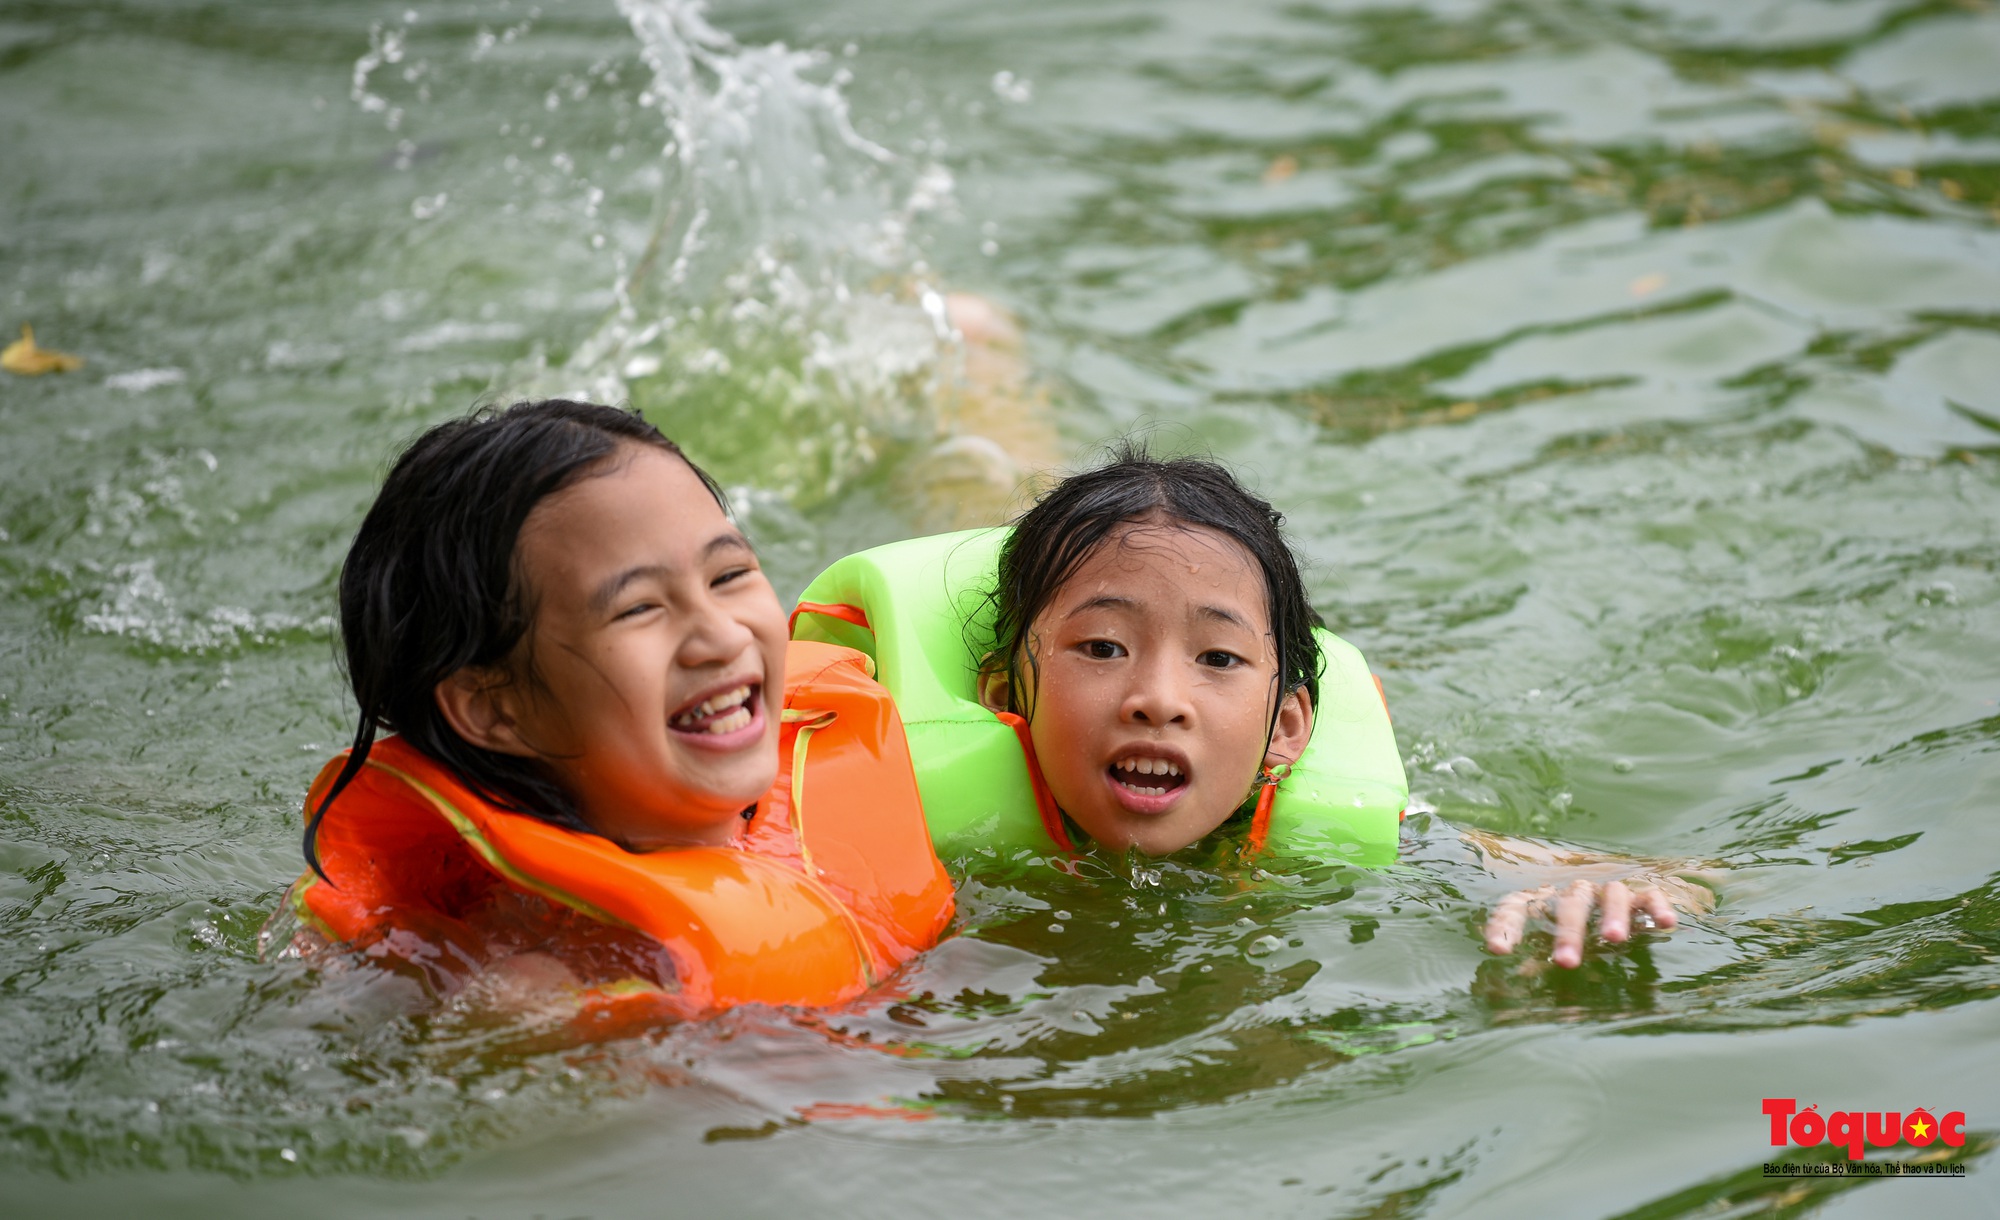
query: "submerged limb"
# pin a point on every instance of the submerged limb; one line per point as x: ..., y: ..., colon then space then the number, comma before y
x: 997, y: 429
x: 531, y: 984
x: 1569, y: 909
x: 1616, y: 887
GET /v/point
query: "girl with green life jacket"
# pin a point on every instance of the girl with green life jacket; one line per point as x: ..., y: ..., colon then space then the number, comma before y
x: 1134, y: 665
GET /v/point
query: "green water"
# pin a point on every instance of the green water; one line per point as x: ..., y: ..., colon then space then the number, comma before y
x: 1631, y: 376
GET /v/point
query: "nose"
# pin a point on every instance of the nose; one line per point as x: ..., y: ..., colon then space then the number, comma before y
x: 1160, y: 694
x: 715, y: 636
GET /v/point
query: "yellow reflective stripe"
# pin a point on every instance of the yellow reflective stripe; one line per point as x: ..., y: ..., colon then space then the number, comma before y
x: 296, y: 899
x: 469, y: 831
x: 811, y: 722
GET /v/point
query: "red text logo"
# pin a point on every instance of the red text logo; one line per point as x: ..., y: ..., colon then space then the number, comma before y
x: 1856, y: 1129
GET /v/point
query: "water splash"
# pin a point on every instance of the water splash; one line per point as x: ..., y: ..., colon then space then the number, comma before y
x: 136, y: 604
x: 775, y: 320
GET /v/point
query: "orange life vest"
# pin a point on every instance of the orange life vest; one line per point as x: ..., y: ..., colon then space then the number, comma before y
x: 830, y: 886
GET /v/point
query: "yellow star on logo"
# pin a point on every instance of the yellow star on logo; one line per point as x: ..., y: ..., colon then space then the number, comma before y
x: 1921, y: 1128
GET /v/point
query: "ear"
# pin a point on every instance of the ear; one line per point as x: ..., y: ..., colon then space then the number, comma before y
x: 996, y: 686
x: 1293, y: 730
x: 481, y: 706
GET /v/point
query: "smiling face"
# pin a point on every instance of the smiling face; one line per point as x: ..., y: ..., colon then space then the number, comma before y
x: 1151, y: 677
x: 651, y: 679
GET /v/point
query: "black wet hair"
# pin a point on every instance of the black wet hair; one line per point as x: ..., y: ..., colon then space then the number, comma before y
x: 432, y: 583
x: 1051, y: 540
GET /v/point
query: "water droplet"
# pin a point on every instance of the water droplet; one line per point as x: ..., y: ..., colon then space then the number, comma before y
x: 1010, y: 88
x: 1264, y: 946
x: 1623, y: 766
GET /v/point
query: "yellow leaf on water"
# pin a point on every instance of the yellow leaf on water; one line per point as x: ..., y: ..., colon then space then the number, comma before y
x: 1648, y: 284
x: 1280, y: 169
x: 24, y: 359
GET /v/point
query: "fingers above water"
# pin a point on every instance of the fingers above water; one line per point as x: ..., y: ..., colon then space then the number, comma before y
x: 1510, y: 918
x: 1572, y: 922
x: 1614, y: 923
x: 1661, y: 908
x: 1615, y: 902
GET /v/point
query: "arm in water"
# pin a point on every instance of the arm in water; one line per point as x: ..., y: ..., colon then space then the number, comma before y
x: 1565, y: 884
x: 998, y: 429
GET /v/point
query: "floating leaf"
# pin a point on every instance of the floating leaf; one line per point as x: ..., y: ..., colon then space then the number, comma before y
x: 24, y: 359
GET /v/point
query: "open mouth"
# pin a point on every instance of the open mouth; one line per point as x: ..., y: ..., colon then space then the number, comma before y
x: 1148, y: 777
x: 720, y: 714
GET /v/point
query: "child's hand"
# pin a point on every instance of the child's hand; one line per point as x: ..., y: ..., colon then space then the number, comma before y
x: 1618, y: 887
x: 1572, y: 916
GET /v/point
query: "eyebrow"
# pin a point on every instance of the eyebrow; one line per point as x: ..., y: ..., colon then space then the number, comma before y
x: 1112, y: 602
x: 1103, y: 602
x: 608, y: 591
x: 1222, y: 614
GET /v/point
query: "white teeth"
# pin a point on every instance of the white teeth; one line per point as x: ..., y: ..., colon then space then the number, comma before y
x: 725, y: 699
x: 714, y: 703
x: 1149, y: 766
x: 730, y: 723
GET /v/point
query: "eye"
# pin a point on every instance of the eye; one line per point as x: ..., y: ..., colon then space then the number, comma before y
x: 731, y: 575
x: 635, y: 610
x: 1102, y: 650
x: 1216, y: 658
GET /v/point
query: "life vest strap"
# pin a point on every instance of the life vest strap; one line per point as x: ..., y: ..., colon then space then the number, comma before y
x: 1045, y: 801
x: 810, y: 722
x: 1267, y: 795
x: 840, y: 610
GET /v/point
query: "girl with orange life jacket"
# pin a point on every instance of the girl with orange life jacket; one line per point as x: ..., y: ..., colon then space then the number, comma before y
x: 1135, y: 663
x: 609, y: 775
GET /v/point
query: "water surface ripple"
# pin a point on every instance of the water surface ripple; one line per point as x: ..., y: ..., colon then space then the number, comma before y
x: 1630, y: 374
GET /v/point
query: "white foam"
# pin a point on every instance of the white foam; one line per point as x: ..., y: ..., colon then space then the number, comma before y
x: 137, y: 606
x: 138, y: 381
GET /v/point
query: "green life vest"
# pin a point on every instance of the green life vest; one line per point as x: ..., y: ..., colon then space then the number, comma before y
x: 926, y: 620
